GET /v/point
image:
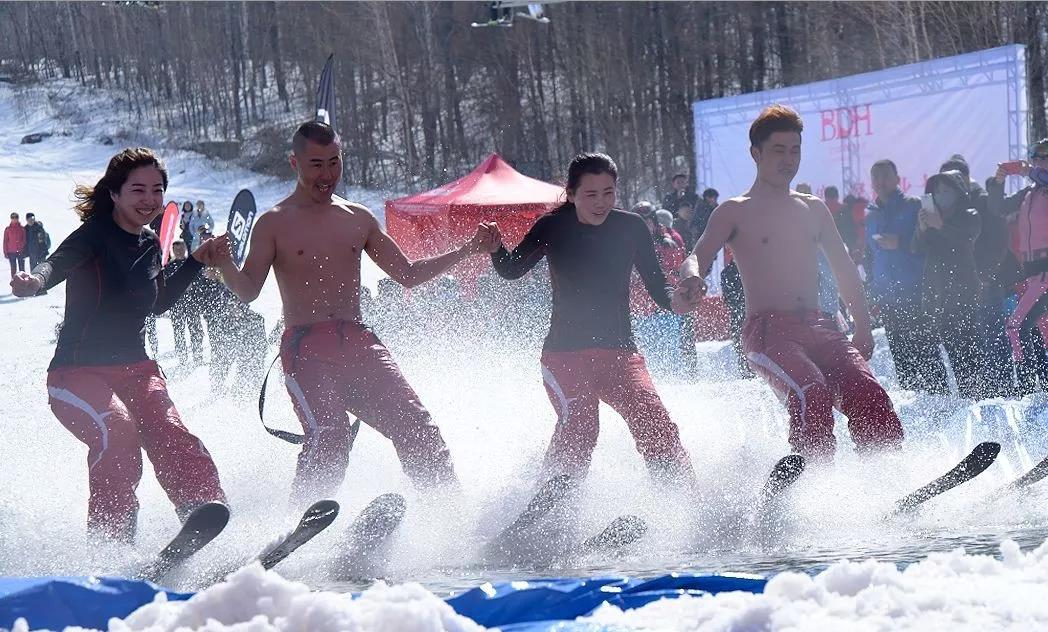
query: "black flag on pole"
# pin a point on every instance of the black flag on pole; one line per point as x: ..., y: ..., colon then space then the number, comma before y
x: 326, y: 94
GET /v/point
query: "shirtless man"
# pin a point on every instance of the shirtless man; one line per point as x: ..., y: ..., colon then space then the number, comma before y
x: 775, y: 235
x: 333, y: 363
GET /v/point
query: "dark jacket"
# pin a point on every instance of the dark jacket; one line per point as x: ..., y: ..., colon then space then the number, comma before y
x: 992, y: 243
x: 689, y: 231
x: 896, y: 275
x: 38, y: 242
x: 672, y: 200
x: 951, y: 280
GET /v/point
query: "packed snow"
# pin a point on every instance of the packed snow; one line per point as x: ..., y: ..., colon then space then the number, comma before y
x: 947, y: 591
x: 487, y: 396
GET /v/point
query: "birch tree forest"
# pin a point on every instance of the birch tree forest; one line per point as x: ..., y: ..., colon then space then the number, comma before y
x: 422, y: 96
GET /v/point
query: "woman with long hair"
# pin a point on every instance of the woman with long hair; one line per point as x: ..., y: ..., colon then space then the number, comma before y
x: 589, y: 354
x: 103, y: 387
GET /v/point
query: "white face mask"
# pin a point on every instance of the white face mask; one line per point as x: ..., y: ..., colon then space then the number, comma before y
x: 945, y: 198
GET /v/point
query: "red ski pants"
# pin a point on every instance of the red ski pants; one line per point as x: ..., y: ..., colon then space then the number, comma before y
x: 814, y: 367
x: 1034, y: 293
x: 577, y: 381
x: 335, y: 367
x: 118, y: 411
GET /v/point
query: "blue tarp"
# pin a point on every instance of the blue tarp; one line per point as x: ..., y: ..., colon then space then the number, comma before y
x: 56, y: 602
x: 549, y: 605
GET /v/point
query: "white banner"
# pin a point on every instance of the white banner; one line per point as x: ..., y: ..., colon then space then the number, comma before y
x: 917, y: 115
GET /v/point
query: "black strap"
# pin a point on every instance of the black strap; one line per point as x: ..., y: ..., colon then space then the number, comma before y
x: 290, y: 437
x: 1033, y: 268
x: 284, y: 435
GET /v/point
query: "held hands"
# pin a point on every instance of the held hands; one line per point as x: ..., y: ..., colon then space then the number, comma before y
x: 688, y: 295
x: 214, y: 252
x: 24, y: 284
x: 487, y: 239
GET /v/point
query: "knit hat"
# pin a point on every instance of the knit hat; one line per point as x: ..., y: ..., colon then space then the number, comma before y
x: 664, y: 218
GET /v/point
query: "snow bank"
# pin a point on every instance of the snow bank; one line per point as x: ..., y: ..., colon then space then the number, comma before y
x: 255, y: 600
x: 947, y: 591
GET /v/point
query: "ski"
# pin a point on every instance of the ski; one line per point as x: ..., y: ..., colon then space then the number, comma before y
x: 201, y: 527
x: 623, y: 531
x: 971, y: 466
x: 1038, y: 472
x: 373, y: 526
x: 548, y: 495
x: 355, y: 559
x: 785, y: 473
x: 317, y: 518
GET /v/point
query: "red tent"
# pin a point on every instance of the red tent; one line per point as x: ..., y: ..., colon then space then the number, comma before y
x: 440, y: 220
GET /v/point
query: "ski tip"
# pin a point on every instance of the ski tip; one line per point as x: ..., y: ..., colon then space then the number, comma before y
x: 987, y: 451
x: 623, y: 531
x: 632, y: 524
x: 391, y: 502
x: 211, y: 512
x: 791, y: 463
x: 323, y: 508
x: 788, y: 469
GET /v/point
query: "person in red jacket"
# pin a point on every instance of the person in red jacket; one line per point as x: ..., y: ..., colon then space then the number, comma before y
x: 659, y: 331
x: 15, y: 245
x: 101, y: 385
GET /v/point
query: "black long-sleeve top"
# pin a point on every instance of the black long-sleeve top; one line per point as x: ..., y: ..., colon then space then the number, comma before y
x: 114, y: 281
x: 589, y: 269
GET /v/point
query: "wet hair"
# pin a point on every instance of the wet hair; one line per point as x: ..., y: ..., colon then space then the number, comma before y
x: 92, y: 201
x: 884, y: 162
x: 710, y: 192
x: 831, y: 193
x: 587, y: 164
x: 774, y: 118
x: 315, y: 131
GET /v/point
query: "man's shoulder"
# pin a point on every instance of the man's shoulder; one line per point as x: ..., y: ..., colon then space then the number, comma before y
x: 734, y: 204
x: 807, y: 198
x: 353, y: 208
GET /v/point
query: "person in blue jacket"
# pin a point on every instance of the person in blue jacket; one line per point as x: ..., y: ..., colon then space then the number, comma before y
x: 896, y: 281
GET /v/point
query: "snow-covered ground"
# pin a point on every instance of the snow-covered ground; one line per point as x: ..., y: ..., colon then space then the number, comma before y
x: 488, y: 399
